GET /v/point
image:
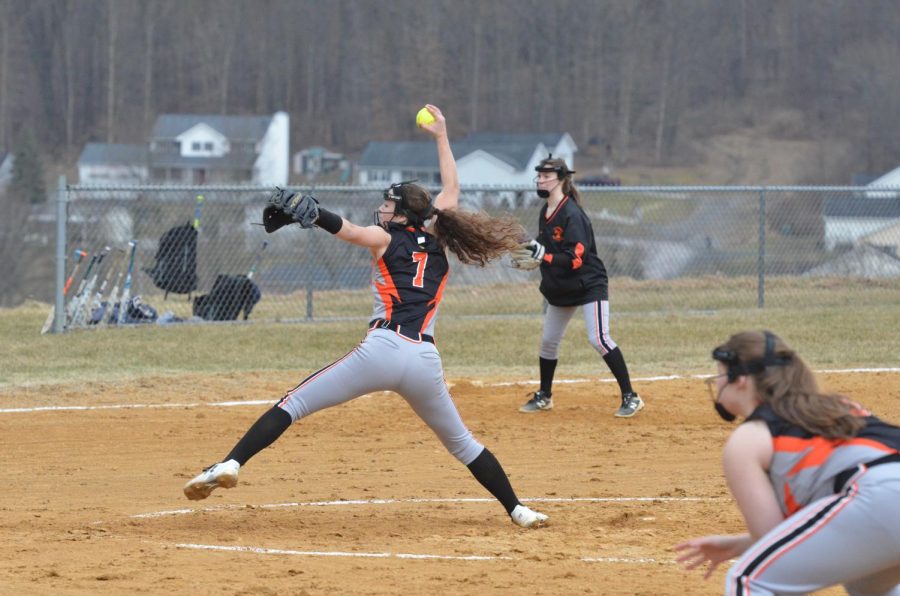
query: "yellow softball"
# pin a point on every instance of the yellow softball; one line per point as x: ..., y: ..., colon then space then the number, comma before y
x: 424, y: 117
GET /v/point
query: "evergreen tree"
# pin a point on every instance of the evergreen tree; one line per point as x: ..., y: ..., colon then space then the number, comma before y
x: 27, y: 172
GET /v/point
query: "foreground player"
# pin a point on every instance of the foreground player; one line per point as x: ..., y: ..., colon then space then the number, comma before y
x: 816, y: 477
x: 398, y: 352
x: 572, y: 277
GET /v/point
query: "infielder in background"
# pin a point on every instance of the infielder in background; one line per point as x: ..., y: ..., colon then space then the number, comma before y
x: 816, y: 477
x: 408, y: 244
x: 572, y: 277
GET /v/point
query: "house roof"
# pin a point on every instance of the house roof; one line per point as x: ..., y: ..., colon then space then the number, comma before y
x: 411, y: 154
x: 112, y: 154
x: 514, y: 149
x: 891, y: 179
x: 247, y: 128
x: 862, y: 207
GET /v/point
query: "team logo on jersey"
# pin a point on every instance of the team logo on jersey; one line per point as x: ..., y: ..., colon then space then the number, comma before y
x: 558, y: 234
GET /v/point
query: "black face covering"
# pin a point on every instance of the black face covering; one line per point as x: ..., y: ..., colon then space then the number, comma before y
x: 723, y: 413
x: 545, y: 194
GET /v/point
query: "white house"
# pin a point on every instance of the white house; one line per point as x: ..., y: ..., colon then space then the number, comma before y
x: 484, y: 158
x: 849, y: 219
x: 6, y: 166
x: 113, y: 164
x: 205, y: 149
x: 196, y: 149
x: 886, y: 238
x: 891, y: 180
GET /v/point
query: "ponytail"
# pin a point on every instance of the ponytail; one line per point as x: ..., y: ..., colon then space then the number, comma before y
x: 476, y: 238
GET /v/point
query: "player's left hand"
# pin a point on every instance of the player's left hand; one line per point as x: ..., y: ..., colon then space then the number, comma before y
x: 710, y: 549
x: 303, y: 209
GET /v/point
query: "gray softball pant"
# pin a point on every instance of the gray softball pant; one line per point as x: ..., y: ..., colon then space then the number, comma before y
x: 850, y: 538
x: 596, y: 323
x: 387, y: 361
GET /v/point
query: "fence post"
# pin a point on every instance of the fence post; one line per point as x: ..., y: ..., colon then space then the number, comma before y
x: 310, y: 274
x: 761, y: 258
x: 59, y: 317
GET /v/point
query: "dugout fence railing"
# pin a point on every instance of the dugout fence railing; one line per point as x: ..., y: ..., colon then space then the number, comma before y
x: 666, y: 249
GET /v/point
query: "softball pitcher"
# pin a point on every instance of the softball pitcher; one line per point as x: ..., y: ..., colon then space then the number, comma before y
x: 572, y: 277
x: 816, y: 477
x: 408, y: 244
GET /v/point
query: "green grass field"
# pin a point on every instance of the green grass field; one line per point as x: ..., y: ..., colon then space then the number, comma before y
x: 662, y: 327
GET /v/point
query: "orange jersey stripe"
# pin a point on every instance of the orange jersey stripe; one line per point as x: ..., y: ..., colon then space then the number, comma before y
x: 386, y: 290
x: 436, y: 301
x: 579, y: 250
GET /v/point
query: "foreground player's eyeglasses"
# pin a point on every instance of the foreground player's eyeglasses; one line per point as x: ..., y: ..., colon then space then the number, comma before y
x: 711, y: 386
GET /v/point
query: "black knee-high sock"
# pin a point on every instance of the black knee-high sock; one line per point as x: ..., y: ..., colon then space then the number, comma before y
x: 488, y: 471
x: 548, y: 367
x: 262, y: 434
x: 616, y: 363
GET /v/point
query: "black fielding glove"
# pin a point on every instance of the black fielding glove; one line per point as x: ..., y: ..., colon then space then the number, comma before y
x: 275, y: 219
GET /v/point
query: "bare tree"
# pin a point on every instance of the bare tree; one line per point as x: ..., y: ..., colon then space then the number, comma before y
x: 112, y: 36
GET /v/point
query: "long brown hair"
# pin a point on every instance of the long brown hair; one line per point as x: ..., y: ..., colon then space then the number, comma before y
x: 792, y: 392
x: 563, y: 173
x: 475, y: 238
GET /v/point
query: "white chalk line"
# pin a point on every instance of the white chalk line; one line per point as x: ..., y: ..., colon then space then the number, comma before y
x: 344, y: 503
x: 259, y: 550
x: 313, y: 553
x: 259, y: 402
x: 670, y: 377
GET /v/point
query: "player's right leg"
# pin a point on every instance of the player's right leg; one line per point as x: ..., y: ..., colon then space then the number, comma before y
x: 555, y: 322
x: 364, y: 370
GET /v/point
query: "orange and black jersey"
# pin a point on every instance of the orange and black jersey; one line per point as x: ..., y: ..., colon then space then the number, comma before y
x: 572, y: 274
x: 408, y: 280
x: 804, y: 466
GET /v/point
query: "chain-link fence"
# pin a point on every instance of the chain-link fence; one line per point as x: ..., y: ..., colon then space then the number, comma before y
x: 666, y: 248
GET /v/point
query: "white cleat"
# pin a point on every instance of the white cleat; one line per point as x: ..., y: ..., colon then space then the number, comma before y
x: 223, y: 474
x: 525, y: 517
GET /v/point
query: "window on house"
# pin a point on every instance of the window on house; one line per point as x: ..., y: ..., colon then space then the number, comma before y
x: 208, y: 146
x: 195, y: 146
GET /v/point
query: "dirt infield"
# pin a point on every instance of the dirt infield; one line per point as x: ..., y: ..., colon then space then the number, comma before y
x: 362, y: 499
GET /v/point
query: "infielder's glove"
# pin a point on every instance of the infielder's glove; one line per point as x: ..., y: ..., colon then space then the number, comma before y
x: 528, y: 256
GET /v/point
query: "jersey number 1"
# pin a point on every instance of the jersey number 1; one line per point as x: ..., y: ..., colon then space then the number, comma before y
x: 421, y: 259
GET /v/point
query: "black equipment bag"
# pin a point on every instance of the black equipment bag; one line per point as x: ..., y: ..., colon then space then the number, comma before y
x: 176, y: 261
x: 230, y: 295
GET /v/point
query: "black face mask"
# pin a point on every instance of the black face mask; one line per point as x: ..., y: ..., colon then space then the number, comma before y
x: 723, y: 413
x: 545, y: 194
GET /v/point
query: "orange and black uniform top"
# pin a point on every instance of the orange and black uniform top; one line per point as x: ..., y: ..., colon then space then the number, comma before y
x: 804, y: 466
x: 408, y: 280
x: 572, y: 274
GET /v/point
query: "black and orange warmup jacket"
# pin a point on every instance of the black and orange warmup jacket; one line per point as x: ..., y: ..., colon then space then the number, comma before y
x: 572, y: 274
